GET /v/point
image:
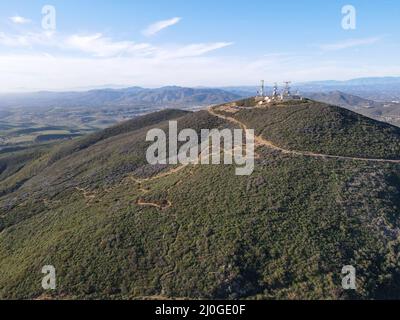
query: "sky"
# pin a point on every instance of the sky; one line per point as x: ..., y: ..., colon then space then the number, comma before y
x: 77, y: 44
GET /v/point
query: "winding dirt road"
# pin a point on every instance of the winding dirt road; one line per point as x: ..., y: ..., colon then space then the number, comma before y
x: 262, y: 141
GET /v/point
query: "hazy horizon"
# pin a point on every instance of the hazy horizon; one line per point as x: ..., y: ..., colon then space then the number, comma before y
x: 125, y: 86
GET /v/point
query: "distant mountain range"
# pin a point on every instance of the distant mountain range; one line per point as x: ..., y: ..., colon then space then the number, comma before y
x: 342, y: 99
x: 382, y: 111
x: 374, y: 97
x: 379, y: 88
x: 358, y: 82
x: 134, y: 96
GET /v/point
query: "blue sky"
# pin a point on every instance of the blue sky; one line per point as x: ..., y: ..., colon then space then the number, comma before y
x: 193, y: 42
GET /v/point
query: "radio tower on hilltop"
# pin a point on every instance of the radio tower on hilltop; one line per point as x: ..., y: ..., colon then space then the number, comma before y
x: 287, y: 93
x: 261, y: 92
x: 275, y: 92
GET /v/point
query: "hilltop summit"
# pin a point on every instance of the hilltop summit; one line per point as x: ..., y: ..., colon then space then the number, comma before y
x: 324, y: 194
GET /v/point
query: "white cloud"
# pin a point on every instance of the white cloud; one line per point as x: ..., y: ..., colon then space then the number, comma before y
x: 42, y: 72
x: 28, y: 39
x: 101, y: 46
x: 160, y: 25
x: 192, y: 50
x: 350, y: 43
x: 20, y: 20
x: 100, y: 59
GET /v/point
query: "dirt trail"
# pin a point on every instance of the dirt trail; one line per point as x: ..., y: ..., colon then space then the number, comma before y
x: 158, y: 176
x: 262, y: 141
x: 165, y: 206
x: 89, y: 196
x: 143, y: 190
x: 168, y: 204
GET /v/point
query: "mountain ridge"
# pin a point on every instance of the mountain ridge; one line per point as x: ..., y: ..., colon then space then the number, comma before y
x: 171, y: 95
x: 115, y: 227
x: 382, y: 111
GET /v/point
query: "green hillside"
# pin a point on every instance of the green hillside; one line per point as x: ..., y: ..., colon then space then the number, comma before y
x: 317, y: 127
x: 115, y: 227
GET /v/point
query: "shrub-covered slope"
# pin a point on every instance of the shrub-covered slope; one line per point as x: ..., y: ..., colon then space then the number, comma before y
x: 317, y: 127
x: 115, y: 227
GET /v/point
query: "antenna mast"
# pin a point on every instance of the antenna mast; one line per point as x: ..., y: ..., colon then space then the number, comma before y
x: 287, y: 88
x: 262, y: 89
x: 275, y: 92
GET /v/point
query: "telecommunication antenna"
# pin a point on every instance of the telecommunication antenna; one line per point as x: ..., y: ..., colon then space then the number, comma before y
x: 287, y: 88
x: 275, y: 92
x: 261, y: 93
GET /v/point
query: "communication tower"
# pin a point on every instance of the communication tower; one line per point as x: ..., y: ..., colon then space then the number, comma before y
x: 261, y: 92
x: 286, y: 92
x: 275, y: 92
